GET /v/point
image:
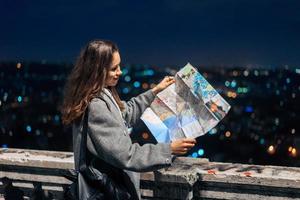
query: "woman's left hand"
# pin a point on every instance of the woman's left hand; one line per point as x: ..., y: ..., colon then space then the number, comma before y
x: 168, y: 80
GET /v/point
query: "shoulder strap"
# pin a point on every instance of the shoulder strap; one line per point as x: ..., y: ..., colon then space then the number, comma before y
x: 82, y: 151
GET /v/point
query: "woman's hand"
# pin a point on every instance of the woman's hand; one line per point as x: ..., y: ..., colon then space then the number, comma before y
x: 182, y: 146
x: 168, y: 80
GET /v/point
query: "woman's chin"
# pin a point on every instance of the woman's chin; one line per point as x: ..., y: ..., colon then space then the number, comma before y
x: 113, y: 84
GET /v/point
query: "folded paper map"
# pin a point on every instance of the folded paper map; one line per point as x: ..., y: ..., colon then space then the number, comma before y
x: 190, y: 107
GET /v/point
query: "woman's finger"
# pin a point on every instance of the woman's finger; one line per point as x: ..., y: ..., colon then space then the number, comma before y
x: 188, y: 145
x: 189, y: 140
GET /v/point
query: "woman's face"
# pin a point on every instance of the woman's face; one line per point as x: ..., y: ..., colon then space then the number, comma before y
x: 114, y: 71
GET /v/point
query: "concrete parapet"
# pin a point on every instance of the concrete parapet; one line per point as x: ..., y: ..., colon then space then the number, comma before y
x: 188, y: 178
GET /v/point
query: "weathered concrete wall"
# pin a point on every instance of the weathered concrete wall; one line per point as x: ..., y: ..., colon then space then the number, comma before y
x: 188, y: 178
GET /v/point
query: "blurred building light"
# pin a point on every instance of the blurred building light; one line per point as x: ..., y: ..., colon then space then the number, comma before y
x: 249, y: 109
x: 256, y: 73
x: 201, y: 152
x: 294, y: 152
x: 195, y: 155
x: 293, y: 95
x: 213, y: 131
x: 288, y: 80
x: 125, y: 90
x: 127, y: 78
x: 235, y: 73
x: 56, y: 118
x: 246, y: 73
x: 124, y: 71
x: 145, y: 135
x: 233, y: 84
x: 227, y: 83
x: 242, y: 90
x: 37, y: 132
x: 136, y: 84
x: 19, y: 65
x: 281, y: 103
x: 148, y: 72
x: 227, y: 134
x: 19, y: 99
x: 256, y: 137
x: 44, y: 119
x: 10, y: 133
x: 28, y: 128
x: 266, y: 73
x: 293, y: 131
x: 262, y: 141
x: 5, y: 96
x: 277, y: 121
x: 271, y: 149
x: 297, y: 71
x: 145, y: 86
x: 231, y: 94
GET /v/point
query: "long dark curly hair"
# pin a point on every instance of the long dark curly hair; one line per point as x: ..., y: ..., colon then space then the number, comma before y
x: 87, y: 79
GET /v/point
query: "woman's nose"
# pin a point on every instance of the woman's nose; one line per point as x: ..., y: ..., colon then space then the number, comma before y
x: 119, y: 72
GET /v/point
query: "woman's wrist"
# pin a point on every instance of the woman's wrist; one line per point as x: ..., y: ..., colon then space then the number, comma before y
x: 155, y: 90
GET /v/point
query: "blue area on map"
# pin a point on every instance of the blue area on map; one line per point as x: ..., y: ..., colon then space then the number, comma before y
x: 159, y: 131
x: 200, y: 86
x: 186, y: 119
x: 163, y: 137
x: 170, y: 122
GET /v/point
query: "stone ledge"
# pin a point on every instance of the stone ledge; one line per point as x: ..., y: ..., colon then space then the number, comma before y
x: 187, y: 178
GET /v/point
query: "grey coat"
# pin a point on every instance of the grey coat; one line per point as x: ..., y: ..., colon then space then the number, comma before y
x: 109, y: 145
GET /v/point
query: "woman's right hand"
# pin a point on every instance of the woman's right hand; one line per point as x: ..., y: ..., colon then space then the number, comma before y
x: 168, y: 80
x: 182, y: 146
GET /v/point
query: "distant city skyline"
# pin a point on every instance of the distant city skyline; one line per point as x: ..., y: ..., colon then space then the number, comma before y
x: 155, y: 32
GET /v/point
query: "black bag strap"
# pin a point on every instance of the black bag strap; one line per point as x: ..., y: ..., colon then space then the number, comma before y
x: 83, y: 143
x: 113, y: 191
x: 72, y: 174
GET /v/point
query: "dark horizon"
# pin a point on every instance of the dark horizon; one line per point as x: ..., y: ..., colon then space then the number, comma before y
x: 160, y: 33
x: 47, y: 63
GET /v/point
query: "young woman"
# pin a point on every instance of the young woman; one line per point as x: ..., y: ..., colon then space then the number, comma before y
x: 91, y: 87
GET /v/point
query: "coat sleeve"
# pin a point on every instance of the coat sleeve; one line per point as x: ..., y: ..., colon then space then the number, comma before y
x: 135, y: 107
x: 112, y: 143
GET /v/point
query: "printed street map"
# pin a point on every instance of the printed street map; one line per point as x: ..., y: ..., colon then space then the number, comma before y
x: 190, y: 107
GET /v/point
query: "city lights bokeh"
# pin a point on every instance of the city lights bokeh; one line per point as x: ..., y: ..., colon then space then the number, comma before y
x: 261, y: 128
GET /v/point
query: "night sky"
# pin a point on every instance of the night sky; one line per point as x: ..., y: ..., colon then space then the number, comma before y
x: 156, y: 32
